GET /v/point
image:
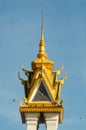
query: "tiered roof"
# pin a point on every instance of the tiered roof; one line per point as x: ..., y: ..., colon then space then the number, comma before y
x: 42, y: 87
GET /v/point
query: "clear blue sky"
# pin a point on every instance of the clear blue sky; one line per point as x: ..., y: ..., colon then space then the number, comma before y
x: 65, y: 36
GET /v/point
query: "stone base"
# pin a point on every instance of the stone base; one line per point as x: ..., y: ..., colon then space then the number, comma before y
x: 51, y: 120
x: 32, y: 120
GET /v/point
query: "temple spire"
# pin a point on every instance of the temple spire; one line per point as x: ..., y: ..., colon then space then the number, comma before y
x: 42, y: 28
x: 42, y: 54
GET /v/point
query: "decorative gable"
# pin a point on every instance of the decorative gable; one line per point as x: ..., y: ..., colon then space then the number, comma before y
x: 41, y: 93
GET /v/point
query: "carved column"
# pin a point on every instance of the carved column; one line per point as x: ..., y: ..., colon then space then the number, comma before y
x: 31, y: 120
x: 52, y: 120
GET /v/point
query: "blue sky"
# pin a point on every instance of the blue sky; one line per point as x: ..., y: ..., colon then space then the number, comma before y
x: 65, y: 36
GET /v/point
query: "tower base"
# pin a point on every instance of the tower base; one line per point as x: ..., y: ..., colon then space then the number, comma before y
x: 32, y: 120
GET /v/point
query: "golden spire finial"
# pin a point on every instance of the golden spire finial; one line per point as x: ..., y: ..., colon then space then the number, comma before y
x: 42, y: 29
x: 42, y: 54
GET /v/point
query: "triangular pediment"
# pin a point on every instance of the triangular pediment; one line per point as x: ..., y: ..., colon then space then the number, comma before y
x: 41, y: 93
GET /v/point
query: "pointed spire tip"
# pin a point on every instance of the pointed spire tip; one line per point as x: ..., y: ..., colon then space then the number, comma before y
x: 42, y: 29
x: 42, y: 53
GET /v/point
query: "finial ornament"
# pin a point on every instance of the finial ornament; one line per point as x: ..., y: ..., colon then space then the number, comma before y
x: 42, y: 54
x: 42, y: 28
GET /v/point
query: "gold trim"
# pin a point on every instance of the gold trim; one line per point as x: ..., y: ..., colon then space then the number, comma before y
x: 59, y: 110
x: 42, y: 109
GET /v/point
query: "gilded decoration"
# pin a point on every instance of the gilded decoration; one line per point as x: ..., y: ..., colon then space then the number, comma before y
x: 42, y: 88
